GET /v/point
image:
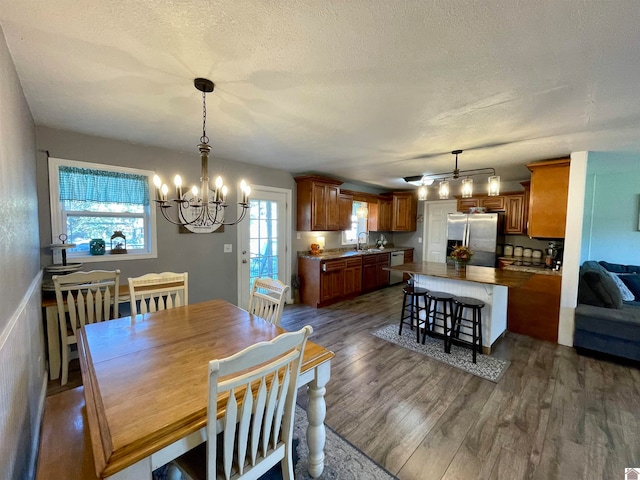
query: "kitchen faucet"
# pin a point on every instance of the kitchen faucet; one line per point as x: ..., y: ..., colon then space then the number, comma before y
x: 365, y: 240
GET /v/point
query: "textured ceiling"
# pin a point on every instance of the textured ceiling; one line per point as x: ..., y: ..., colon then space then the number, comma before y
x: 364, y: 90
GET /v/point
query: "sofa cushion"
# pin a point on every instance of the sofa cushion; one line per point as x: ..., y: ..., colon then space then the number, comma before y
x: 619, y: 268
x: 625, y: 293
x: 597, y: 288
x: 623, y: 323
x: 633, y: 283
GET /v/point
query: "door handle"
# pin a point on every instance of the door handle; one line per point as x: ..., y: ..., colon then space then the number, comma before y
x: 244, y: 252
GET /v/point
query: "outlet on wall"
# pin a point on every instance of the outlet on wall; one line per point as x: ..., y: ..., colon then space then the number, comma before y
x: 228, y: 248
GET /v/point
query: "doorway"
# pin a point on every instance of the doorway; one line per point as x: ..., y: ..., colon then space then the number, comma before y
x: 264, y: 240
x: 435, y: 225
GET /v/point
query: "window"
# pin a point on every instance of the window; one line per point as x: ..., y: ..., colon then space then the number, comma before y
x: 358, y: 224
x: 90, y: 201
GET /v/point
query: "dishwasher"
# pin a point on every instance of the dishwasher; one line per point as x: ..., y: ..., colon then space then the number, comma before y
x: 397, y: 258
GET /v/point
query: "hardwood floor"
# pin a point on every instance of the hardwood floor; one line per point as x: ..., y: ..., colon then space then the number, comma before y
x: 554, y: 414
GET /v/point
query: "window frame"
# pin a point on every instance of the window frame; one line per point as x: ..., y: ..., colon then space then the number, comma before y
x: 58, y: 223
x: 344, y: 239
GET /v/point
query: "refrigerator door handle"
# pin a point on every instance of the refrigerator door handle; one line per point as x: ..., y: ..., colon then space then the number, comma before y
x: 466, y: 235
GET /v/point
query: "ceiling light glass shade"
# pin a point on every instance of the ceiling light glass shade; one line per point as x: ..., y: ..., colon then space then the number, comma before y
x: 443, y: 190
x: 494, y: 185
x: 467, y: 187
x: 422, y: 193
x: 426, y: 180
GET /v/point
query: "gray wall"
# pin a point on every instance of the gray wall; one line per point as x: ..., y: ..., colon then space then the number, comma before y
x: 212, y: 273
x: 21, y: 335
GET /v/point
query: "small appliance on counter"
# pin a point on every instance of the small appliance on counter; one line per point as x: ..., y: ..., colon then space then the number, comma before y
x: 553, y: 257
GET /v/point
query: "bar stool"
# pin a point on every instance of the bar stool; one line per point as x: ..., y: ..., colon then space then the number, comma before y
x: 413, y: 294
x: 476, y: 306
x: 435, y: 316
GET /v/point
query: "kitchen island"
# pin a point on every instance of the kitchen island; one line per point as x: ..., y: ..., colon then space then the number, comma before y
x: 490, y: 285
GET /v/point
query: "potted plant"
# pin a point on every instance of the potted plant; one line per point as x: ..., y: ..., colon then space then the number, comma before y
x: 461, y: 256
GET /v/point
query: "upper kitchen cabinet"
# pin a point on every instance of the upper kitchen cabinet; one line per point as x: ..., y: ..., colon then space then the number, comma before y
x: 318, y: 204
x: 379, y: 219
x: 515, y: 219
x: 404, y: 212
x: 345, y: 206
x: 548, y: 198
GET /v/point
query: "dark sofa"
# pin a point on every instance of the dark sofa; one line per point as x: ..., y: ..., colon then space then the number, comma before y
x: 604, y: 321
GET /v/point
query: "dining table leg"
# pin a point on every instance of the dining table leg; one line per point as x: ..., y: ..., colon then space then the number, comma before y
x: 316, y: 411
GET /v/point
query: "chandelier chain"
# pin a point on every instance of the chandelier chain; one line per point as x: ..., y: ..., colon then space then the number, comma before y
x: 204, y: 139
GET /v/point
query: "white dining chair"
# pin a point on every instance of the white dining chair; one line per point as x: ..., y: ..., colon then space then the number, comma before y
x: 83, y: 298
x: 158, y: 291
x: 267, y: 299
x: 255, y: 432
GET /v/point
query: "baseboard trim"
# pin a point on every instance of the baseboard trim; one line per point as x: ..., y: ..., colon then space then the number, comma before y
x: 35, y: 441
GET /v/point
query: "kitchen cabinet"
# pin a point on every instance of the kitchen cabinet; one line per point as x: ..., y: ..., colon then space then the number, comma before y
x: 331, y: 280
x: 515, y: 223
x: 374, y: 275
x: 379, y: 219
x: 345, y: 207
x: 404, y: 212
x: 512, y: 204
x: 324, y: 282
x: 533, y: 309
x: 317, y: 203
x: 353, y: 277
x: 548, y: 196
x: 408, y: 258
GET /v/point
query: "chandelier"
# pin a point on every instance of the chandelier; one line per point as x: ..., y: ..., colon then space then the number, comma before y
x: 202, y: 208
x: 467, y: 182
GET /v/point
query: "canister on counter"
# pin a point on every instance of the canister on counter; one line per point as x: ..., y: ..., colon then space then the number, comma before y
x: 517, y: 251
x: 508, y: 250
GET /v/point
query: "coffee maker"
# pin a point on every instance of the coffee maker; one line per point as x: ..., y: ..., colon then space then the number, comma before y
x: 553, y: 256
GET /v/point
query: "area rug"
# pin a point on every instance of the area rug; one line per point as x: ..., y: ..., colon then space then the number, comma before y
x: 486, y: 367
x: 342, y: 460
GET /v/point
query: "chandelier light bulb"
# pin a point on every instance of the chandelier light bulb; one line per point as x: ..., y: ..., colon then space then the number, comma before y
x: 204, y: 209
x: 422, y: 193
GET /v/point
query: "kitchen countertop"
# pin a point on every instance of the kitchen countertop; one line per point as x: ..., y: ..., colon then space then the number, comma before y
x: 486, y: 275
x: 347, y: 253
x: 528, y: 264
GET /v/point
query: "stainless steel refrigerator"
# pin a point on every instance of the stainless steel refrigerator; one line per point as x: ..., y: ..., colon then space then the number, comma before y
x: 478, y: 231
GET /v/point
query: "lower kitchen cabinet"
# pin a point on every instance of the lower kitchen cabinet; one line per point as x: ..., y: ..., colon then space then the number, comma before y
x: 374, y: 275
x: 533, y: 309
x: 324, y: 282
x: 353, y: 277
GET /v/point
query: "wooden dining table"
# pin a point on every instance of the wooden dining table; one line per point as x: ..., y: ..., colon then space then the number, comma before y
x: 146, y: 383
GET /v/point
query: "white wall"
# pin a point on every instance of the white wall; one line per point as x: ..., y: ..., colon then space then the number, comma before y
x: 22, y: 374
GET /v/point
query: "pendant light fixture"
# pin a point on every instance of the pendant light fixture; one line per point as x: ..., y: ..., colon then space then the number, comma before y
x: 200, y: 209
x: 466, y: 183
